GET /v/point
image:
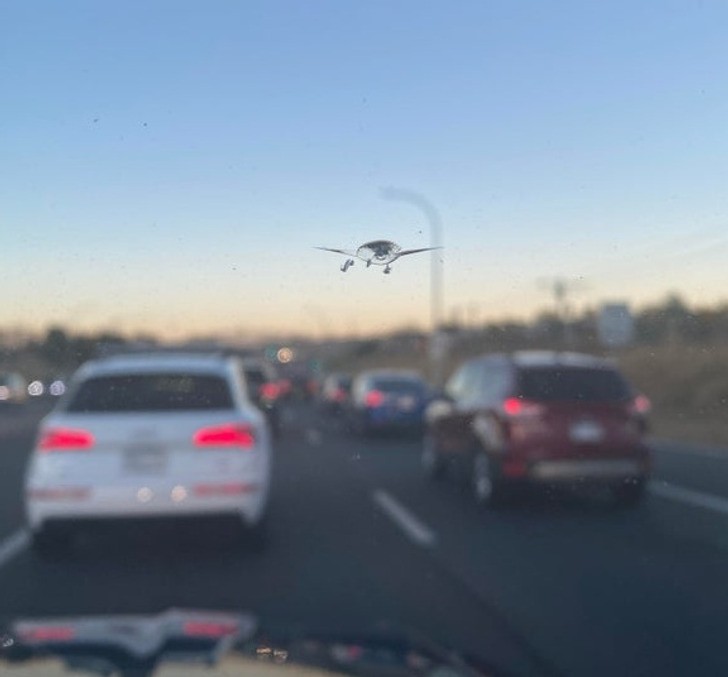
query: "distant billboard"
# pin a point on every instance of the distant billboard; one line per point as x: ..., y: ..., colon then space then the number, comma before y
x: 615, y: 325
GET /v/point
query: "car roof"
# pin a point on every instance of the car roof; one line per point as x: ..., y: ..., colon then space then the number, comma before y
x: 253, y: 361
x: 155, y: 362
x: 547, y: 358
x: 338, y: 375
x: 403, y: 374
x: 551, y: 358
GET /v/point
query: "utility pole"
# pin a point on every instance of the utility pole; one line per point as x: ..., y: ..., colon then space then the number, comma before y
x: 560, y: 288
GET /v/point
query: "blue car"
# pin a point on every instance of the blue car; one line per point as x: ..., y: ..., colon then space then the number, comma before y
x: 388, y: 400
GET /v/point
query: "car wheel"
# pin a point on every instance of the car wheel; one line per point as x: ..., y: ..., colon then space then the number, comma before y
x: 432, y: 462
x: 51, y: 542
x: 629, y: 493
x: 486, y: 488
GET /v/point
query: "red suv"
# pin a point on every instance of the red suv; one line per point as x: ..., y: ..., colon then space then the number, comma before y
x: 539, y: 418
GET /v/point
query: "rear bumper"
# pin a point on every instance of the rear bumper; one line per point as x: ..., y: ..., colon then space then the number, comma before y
x: 579, y: 471
x: 244, y: 501
x: 383, y: 419
x: 158, y: 526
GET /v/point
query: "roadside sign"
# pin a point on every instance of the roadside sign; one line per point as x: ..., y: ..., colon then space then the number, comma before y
x: 615, y: 325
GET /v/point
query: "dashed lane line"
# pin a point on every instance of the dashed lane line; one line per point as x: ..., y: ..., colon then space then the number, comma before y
x: 412, y: 526
x: 691, y: 497
x: 13, y: 545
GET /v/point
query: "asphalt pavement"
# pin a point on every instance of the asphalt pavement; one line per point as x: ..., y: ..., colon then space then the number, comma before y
x: 360, y: 542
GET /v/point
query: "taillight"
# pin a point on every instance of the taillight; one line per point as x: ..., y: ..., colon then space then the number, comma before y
x: 269, y: 391
x: 50, y: 633
x: 209, y: 629
x: 514, y: 467
x: 65, y: 439
x: 515, y: 407
x: 374, y: 398
x: 640, y: 405
x: 227, y: 435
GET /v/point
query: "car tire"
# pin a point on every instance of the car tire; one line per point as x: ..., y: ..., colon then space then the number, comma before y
x: 487, y: 489
x: 51, y: 543
x: 433, y: 463
x: 629, y: 493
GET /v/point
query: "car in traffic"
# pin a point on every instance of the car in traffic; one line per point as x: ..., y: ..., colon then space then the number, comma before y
x: 539, y: 418
x: 335, y: 393
x: 264, y: 390
x: 387, y: 400
x: 163, y: 436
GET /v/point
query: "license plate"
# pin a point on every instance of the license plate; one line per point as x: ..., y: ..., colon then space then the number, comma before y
x: 572, y: 470
x: 145, y: 460
x: 406, y: 403
x: 586, y: 432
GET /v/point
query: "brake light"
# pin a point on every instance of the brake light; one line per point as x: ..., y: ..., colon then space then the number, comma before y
x: 224, y: 489
x: 227, y: 435
x: 65, y: 439
x: 269, y: 391
x: 209, y: 629
x: 374, y: 398
x: 51, y: 633
x: 514, y: 468
x: 339, y: 395
x: 641, y: 405
x: 516, y: 407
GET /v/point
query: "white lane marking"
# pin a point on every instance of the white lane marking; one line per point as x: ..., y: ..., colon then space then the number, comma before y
x: 669, y: 447
x: 413, y: 528
x: 13, y: 545
x: 689, y: 496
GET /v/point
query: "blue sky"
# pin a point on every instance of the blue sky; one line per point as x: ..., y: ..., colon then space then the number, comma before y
x: 169, y: 166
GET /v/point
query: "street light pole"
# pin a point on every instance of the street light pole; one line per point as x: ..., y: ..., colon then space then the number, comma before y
x: 436, y: 278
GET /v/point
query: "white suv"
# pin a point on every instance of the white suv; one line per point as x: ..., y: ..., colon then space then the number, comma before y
x: 149, y: 435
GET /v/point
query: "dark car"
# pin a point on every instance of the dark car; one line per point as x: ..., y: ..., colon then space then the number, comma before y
x: 264, y: 390
x: 335, y: 392
x: 387, y: 400
x: 539, y: 419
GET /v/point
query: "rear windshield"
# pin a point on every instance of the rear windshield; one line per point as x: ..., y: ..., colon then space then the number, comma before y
x: 151, y: 392
x: 398, y: 386
x: 569, y: 384
x: 255, y: 377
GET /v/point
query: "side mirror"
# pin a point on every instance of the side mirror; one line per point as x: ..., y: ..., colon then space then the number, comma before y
x: 440, y: 405
x: 440, y: 395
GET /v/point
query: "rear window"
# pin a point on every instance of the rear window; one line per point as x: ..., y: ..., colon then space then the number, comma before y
x: 152, y: 392
x: 255, y: 377
x: 339, y: 382
x: 568, y: 384
x: 398, y: 386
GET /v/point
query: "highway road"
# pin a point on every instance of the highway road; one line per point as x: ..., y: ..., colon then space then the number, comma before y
x: 360, y: 542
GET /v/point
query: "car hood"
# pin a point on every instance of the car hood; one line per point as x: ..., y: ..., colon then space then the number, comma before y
x: 213, y: 643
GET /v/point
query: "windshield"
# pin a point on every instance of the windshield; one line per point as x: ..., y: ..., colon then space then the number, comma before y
x: 281, y: 215
x: 150, y: 392
x: 397, y: 386
x: 563, y: 384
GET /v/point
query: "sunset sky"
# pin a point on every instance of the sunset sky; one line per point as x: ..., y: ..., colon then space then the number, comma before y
x: 169, y: 167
